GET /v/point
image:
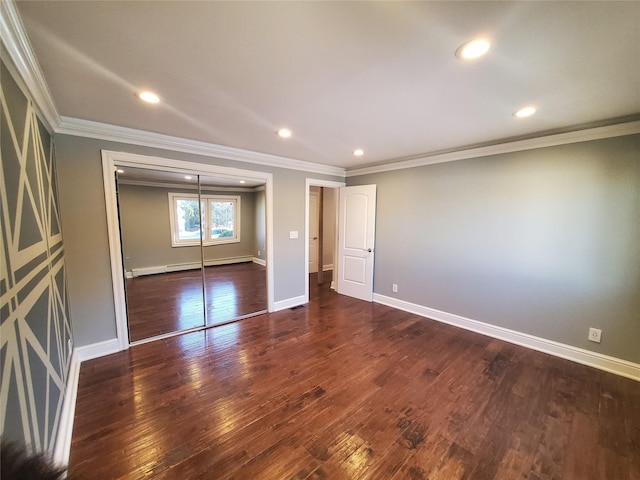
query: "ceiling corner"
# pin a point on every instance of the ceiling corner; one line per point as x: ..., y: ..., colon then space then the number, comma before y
x: 17, y: 44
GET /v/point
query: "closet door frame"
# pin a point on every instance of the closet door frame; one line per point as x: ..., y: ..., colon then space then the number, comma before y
x: 112, y: 160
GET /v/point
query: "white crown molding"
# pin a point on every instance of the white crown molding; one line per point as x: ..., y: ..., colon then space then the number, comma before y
x: 598, y: 133
x: 114, y: 133
x: 17, y: 45
x: 182, y: 186
x: 597, y: 360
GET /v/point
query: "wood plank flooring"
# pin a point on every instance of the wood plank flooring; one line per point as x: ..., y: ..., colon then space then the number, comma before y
x: 344, y: 389
x: 171, y: 302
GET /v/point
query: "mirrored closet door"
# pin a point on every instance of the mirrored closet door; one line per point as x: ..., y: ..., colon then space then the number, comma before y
x: 193, y: 250
x: 161, y: 251
x: 233, y: 249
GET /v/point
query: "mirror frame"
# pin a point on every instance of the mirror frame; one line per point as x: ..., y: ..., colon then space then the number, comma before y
x: 111, y: 160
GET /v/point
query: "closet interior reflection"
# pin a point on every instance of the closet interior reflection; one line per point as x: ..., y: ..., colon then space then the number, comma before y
x: 193, y: 250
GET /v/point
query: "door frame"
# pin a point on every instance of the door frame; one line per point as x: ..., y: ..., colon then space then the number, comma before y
x: 316, y: 182
x: 317, y: 220
x: 110, y: 161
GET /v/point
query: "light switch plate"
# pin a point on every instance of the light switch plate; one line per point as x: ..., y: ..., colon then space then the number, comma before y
x: 293, y: 235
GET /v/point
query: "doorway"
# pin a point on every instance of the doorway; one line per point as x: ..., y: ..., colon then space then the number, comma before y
x: 321, y: 231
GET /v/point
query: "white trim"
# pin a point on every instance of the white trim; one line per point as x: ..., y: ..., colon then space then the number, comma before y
x: 290, y: 303
x: 203, y: 188
x: 205, y: 216
x: 598, y: 133
x: 259, y: 261
x: 115, y: 251
x: 144, y: 271
x: 179, y: 267
x: 99, y: 349
x: 327, y: 267
x: 229, y: 261
x: 19, y: 48
x: 17, y: 44
x: 65, y: 428
x: 110, y: 160
x: 114, y: 133
x: 618, y: 366
x: 314, y: 182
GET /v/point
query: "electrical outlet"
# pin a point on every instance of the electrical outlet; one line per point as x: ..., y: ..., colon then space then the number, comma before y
x: 258, y: 252
x: 594, y: 335
x: 394, y: 287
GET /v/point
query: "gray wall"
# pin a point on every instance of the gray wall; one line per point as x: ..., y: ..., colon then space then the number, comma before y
x: 85, y: 227
x: 545, y: 242
x: 146, y: 229
x: 36, y: 326
x: 329, y: 223
x: 259, y: 248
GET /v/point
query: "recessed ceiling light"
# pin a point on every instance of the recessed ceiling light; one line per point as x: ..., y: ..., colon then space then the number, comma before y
x: 148, y: 97
x: 525, y: 112
x: 473, y: 49
x: 284, y: 132
x: 242, y: 181
x: 188, y: 177
x: 358, y: 152
x: 120, y: 170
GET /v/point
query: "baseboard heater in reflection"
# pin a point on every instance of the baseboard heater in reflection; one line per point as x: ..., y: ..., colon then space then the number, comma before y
x: 178, y: 267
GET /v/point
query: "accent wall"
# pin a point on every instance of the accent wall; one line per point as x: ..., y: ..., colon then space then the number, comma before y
x: 35, y: 331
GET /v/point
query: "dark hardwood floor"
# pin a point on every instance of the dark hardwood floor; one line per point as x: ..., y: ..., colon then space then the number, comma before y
x: 171, y: 302
x: 343, y: 389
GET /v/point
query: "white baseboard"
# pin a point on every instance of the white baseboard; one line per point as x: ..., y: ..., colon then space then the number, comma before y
x: 65, y: 427
x: 228, y: 261
x: 259, y: 261
x: 139, y: 272
x: 100, y: 349
x: 327, y: 267
x: 618, y: 366
x: 179, y: 267
x: 289, y: 303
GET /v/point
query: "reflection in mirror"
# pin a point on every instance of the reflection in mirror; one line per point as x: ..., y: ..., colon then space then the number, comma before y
x: 160, y: 221
x: 233, y: 227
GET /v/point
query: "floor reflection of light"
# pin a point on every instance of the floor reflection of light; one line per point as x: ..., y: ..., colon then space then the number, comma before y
x: 226, y: 336
x: 195, y: 375
x: 222, y: 301
x: 190, y: 308
x: 226, y: 416
x: 360, y: 456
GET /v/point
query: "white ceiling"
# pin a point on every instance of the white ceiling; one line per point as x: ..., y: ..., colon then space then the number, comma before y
x: 381, y: 76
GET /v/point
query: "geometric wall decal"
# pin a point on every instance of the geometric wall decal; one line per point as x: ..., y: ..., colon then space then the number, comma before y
x: 35, y: 327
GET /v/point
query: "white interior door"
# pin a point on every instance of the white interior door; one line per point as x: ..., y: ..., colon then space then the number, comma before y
x: 313, y: 232
x: 356, y: 241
